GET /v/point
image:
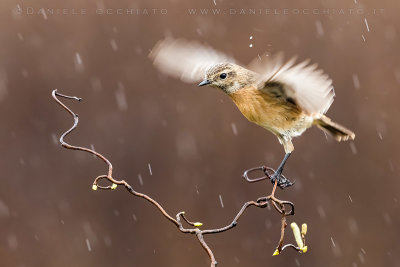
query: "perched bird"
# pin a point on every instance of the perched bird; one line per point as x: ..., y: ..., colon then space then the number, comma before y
x: 282, y: 97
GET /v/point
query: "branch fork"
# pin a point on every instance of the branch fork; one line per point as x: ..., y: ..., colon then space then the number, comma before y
x: 180, y: 218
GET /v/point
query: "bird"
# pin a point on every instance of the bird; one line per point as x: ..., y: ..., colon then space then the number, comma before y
x: 284, y: 97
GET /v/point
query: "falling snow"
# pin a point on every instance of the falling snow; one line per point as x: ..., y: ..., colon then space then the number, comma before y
x: 114, y: 45
x: 88, y: 245
x: 387, y: 218
x: 4, y: 210
x: 321, y: 212
x: 356, y: 81
x: 140, y: 179
x: 362, y: 35
x: 381, y: 129
x: 268, y: 223
x: 353, y: 226
x: 122, y: 103
x: 220, y: 199
x: 96, y: 84
x: 92, y: 148
x: 54, y: 138
x: 361, y: 257
x: 366, y: 23
x: 234, y: 129
x: 60, y: 211
x: 186, y: 145
x: 320, y: 29
x: 24, y: 73
x: 107, y: 241
x: 391, y: 165
x: 43, y: 12
x: 333, y: 242
x: 78, y: 63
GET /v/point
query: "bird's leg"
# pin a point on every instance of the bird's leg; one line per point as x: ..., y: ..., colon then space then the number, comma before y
x: 282, y: 181
x: 280, y: 168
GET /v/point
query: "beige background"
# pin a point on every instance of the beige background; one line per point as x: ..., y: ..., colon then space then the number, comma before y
x: 348, y: 193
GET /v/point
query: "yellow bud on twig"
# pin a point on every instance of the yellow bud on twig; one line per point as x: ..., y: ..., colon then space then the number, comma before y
x: 94, y: 187
x: 297, y: 235
x: 276, y: 252
x: 198, y: 224
x: 303, y: 229
x: 113, y: 186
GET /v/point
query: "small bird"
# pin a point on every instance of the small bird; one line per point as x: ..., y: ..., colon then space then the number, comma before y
x: 282, y: 97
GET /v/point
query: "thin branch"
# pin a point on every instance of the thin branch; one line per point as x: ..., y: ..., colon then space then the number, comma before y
x: 177, y: 221
x: 76, y: 121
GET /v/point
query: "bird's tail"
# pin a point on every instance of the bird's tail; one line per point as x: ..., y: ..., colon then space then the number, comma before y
x: 339, y: 132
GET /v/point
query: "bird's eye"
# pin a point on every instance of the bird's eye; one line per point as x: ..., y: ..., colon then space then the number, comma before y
x: 223, y: 75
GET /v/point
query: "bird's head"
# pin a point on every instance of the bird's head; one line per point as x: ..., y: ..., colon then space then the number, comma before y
x: 228, y: 77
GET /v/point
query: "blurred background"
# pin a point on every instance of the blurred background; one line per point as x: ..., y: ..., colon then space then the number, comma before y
x: 186, y: 146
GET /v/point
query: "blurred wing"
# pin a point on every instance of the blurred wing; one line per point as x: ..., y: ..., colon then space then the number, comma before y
x: 185, y: 60
x: 267, y: 65
x: 303, y: 84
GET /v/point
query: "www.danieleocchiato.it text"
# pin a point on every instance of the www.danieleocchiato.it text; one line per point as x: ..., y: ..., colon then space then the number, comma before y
x: 284, y: 11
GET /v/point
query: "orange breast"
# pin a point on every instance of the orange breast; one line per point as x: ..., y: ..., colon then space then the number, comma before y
x: 269, y: 112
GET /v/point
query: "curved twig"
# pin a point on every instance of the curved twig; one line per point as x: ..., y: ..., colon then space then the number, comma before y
x: 76, y: 121
x: 260, y: 203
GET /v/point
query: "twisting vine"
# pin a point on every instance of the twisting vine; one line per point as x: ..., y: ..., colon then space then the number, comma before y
x: 262, y: 202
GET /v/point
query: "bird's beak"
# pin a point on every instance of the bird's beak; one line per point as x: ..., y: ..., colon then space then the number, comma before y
x: 205, y: 82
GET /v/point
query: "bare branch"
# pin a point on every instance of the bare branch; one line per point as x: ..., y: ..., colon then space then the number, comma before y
x: 261, y: 202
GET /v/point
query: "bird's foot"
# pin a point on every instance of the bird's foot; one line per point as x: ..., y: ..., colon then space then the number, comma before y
x: 283, y: 182
x: 270, y: 174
